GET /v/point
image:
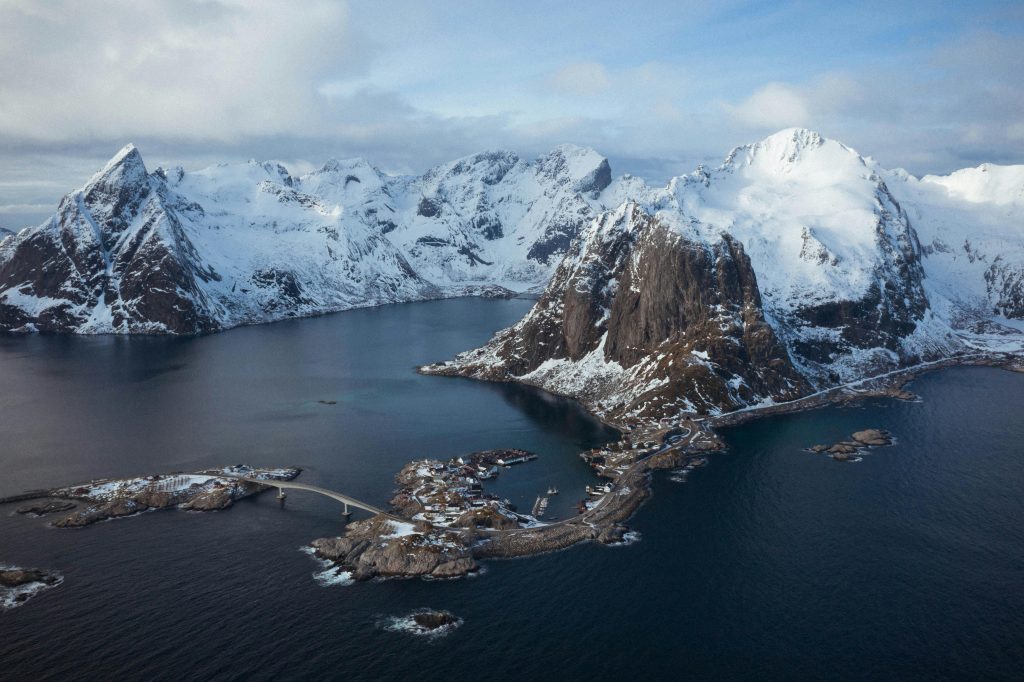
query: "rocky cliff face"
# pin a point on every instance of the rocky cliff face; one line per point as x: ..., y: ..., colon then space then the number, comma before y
x: 794, y: 266
x: 641, y: 321
x: 114, y: 256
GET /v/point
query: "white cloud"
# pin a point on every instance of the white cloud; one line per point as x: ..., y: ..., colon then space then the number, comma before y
x: 409, y: 85
x: 775, y: 105
x: 222, y: 69
x: 582, y: 78
x: 24, y: 208
x: 782, y: 105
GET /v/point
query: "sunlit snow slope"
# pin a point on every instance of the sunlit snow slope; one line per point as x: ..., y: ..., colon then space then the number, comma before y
x: 796, y: 265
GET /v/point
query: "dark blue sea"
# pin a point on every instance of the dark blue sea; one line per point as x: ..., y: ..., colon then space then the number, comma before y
x: 769, y: 563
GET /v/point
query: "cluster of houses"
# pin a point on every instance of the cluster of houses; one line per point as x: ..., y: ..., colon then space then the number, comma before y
x: 452, y: 494
x: 614, y: 458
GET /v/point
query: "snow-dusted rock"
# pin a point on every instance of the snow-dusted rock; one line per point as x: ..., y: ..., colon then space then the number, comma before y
x: 193, y: 252
x: 797, y: 264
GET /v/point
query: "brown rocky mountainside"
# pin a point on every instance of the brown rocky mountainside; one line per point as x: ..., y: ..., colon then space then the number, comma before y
x: 661, y: 324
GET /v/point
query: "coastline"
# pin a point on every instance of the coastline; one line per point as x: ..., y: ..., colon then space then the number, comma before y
x: 629, y: 464
x: 398, y: 542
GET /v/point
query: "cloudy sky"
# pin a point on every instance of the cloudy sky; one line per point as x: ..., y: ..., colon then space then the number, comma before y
x: 656, y: 86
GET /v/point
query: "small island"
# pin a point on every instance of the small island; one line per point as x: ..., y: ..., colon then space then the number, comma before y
x: 444, y: 522
x: 18, y: 585
x: 424, y: 623
x: 849, y: 450
x: 103, y: 499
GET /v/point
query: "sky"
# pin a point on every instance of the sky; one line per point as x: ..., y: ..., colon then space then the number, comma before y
x: 657, y: 87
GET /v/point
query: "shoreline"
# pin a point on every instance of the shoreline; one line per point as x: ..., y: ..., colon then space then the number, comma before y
x: 405, y: 542
x: 629, y: 464
x: 106, y: 499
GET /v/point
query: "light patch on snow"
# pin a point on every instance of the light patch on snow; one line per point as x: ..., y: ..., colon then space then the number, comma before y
x: 400, y: 530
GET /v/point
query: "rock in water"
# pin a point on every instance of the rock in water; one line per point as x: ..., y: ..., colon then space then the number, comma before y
x: 875, y: 437
x: 16, y: 577
x: 18, y: 585
x: 432, y: 620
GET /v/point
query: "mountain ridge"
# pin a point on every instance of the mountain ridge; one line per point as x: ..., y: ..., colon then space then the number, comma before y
x: 795, y: 265
x: 844, y: 283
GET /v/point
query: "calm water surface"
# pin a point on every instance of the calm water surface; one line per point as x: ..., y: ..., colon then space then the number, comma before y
x: 770, y: 562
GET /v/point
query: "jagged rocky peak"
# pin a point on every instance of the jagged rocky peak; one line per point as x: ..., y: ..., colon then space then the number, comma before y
x: 641, y: 321
x: 473, y: 172
x: 588, y: 171
x: 113, y: 258
x: 125, y: 166
x: 354, y: 169
x: 489, y: 167
x: 115, y: 192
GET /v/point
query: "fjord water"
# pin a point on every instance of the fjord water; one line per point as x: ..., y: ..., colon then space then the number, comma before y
x: 769, y: 562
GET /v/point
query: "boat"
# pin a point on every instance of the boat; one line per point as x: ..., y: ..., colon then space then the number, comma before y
x: 552, y: 490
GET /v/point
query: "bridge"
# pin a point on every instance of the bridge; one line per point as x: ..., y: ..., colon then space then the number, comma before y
x: 344, y: 499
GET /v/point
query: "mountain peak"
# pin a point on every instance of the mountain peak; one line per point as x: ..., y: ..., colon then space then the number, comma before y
x: 783, y: 151
x: 125, y: 166
x: 587, y: 169
x: 128, y: 155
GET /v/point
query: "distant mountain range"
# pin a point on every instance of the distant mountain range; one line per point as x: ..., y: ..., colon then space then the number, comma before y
x: 181, y: 252
x: 796, y: 264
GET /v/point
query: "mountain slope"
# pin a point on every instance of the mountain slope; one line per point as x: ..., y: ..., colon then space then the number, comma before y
x: 642, y: 320
x: 491, y: 218
x: 796, y: 265
x: 187, y: 253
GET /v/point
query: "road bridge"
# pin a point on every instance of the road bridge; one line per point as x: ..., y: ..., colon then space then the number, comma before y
x: 346, y: 500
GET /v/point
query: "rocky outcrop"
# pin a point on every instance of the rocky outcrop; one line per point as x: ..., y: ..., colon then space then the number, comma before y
x: 872, y: 437
x: 847, y: 450
x: 18, y: 585
x: 16, y: 577
x: 44, y: 508
x: 378, y: 547
x: 118, y: 507
x: 662, y: 324
x: 432, y: 620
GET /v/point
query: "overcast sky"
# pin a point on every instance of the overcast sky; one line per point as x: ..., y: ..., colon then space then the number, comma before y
x: 658, y: 87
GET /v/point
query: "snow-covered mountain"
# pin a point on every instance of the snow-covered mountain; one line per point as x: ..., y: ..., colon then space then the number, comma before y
x: 190, y: 252
x: 797, y: 264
